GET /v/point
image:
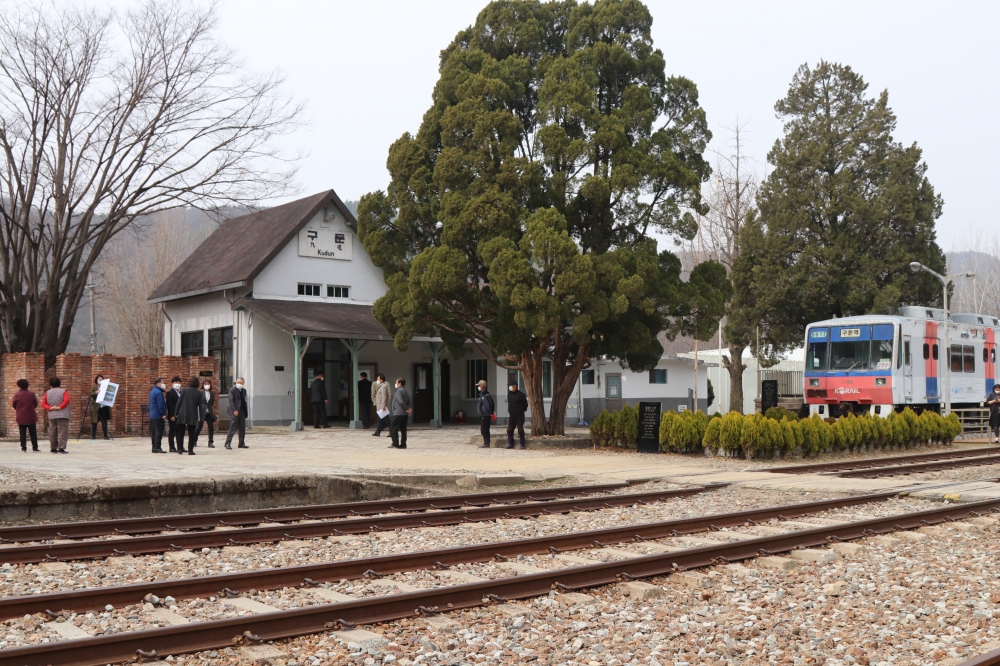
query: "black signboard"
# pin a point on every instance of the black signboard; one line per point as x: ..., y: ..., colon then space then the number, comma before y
x: 768, y: 394
x: 648, y: 440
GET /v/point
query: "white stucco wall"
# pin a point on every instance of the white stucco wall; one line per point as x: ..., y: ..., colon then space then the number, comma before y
x: 280, y: 278
x: 198, y: 313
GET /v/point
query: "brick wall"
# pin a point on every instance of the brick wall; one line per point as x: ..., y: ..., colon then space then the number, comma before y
x: 133, y: 374
x: 140, y: 371
x: 25, y: 365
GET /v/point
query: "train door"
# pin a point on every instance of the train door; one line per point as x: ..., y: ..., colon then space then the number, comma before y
x: 907, y: 371
x: 990, y: 358
x: 932, y: 356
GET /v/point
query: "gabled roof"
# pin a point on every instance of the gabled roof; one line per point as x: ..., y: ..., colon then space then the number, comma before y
x: 318, y: 319
x: 242, y: 246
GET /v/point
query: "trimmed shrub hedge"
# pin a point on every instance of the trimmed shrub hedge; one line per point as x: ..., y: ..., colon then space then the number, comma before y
x: 758, y: 436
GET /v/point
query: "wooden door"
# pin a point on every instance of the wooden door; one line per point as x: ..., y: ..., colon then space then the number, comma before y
x: 422, y: 391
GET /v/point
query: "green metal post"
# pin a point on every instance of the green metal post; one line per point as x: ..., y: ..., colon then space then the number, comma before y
x: 436, y: 374
x: 355, y: 347
x: 297, y: 388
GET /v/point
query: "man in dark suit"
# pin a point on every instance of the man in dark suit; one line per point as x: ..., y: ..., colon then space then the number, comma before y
x: 319, y: 400
x: 173, y: 432
x: 238, y: 413
x: 365, y: 399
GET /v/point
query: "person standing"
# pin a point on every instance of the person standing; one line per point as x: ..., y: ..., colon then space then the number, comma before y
x: 993, y: 400
x: 382, y: 397
x: 365, y: 399
x: 208, y: 413
x: 401, y: 409
x: 238, y: 413
x: 98, y: 413
x: 157, y: 414
x: 485, y: 408
x: 26, y: 414
x: 517, y: 405
x: 56, y: 403
x: 189, y: 414
x: 173, y: 433
x: 319, y: 400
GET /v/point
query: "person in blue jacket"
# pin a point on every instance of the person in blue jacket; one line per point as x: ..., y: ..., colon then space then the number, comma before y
x: 157, y: 414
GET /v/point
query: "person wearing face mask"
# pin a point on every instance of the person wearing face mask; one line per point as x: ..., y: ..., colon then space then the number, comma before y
x: 993, y: 401
x: 157, y: 414
x: 208, y: 413
x: 237, y: 414
x: 98, y: 413
x: 175, y: 435
x: 188, y: 415
x: 382, y: 397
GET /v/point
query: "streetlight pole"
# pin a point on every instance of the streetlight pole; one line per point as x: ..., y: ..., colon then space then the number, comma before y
x: 916, y: 267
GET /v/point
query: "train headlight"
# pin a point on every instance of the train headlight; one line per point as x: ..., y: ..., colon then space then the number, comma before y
x: 813, y: 382
x: 880, y: 381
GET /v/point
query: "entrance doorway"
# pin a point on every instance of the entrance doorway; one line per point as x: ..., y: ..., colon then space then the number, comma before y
x: 332, y: 357
x: 613, y: 392
x: 423, y: 392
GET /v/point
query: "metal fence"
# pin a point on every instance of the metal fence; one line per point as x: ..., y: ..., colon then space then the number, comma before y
x: 975, y: 421
x: 789, y: 381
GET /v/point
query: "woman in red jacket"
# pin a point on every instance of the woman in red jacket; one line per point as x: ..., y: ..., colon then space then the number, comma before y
x: 25, y: 408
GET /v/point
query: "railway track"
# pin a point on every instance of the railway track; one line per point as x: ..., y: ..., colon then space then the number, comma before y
x: 278, y: 624
x: 109, y: 547
x: 919, y: 468
x: 314, y: 574
x: 885, y: 462
x: 208, y: 521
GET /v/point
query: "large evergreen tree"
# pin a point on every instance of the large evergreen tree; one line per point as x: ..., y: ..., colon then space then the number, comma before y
x: 842, y: 213
x: 517, y: 217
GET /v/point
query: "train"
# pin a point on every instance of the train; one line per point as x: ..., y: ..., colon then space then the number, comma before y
x: 878, y: 364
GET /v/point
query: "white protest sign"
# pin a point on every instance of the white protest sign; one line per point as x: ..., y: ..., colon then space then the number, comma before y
x: 106, y: 393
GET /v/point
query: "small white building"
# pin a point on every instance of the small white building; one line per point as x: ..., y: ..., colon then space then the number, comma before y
x: 280, y: 294
x: 788, y: 371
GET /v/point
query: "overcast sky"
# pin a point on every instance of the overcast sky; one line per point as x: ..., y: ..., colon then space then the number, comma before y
x: 366, y: 71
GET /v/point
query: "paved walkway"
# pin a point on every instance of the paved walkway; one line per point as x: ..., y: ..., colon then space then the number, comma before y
x: 440, y: 451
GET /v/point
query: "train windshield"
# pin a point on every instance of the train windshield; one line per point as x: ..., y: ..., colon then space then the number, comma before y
x: 816, y: 350
x: 852, y: 355
x: 882, y: 352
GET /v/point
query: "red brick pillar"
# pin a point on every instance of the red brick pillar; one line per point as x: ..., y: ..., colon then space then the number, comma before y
x: 108, y: 366
x: 73, y: 371
x: 140, y: 371
x: 171, y: 366
x: 24, y: 365
x: 205, y: 367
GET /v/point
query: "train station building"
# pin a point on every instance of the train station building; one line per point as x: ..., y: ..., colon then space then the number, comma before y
x: 280, y: 294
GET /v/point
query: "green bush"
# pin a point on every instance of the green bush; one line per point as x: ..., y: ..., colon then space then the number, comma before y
x: 602, y: 429
x: 683, y: 432
x: 619, y: 428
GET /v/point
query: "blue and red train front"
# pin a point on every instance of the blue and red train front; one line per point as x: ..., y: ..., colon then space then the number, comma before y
x: 849, y: 366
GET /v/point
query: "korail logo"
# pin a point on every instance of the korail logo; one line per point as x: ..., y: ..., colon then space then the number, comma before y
x: 841, y: 390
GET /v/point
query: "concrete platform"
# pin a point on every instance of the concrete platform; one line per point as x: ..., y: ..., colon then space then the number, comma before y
x: 435, y: 457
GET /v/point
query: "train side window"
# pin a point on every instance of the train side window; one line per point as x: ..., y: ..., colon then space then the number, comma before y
x: 934, y: 351
x: 955, y: 358
x: 993, y: 355
x: 986, y: 355
x: 969, y: 357
x: 927, y: 351
x: 906, y: 353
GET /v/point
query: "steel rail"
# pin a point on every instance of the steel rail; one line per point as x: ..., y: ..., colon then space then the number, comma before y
x: 154, y: 524
x: 917, y: 468
x: 79, y: 550
x: 883, y: 462
x: 310, y: 574
x: 991, y: 658
x: 216, y: 634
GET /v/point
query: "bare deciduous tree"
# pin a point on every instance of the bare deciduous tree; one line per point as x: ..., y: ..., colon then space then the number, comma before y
x: 132, y: 265
x: 981, y: 257
x: 732, y: 199
x: 105, y: 118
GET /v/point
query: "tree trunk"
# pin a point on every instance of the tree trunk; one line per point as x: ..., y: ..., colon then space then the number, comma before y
x: 735, y: 366
x: 564, y: 378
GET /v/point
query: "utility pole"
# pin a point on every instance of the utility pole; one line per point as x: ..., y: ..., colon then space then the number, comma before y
x: 93, y: 320
x: 696, y: 332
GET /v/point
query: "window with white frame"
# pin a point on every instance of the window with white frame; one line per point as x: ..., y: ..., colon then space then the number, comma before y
x: 587, y: 376
x: 309, y: 290
x: 475, y: 370
x: 658, y: 376
x: 337, y: 292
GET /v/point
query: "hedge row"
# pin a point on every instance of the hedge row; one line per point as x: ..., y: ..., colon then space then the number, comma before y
x: 757, y: 435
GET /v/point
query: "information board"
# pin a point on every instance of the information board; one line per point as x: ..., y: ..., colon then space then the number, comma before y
x: 106, y: 393
x: 768, y: 394
x: 648, y: 439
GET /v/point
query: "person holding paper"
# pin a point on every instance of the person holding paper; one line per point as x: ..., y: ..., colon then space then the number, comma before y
x: 382, y: 398
x: 98, y: 413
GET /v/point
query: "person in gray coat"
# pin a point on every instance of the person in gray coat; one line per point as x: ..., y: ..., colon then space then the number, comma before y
x: 401, y: 410
x: 188, y: 415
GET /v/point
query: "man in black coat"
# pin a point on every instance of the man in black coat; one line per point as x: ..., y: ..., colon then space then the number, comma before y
x: 238, y: 413
x: 319, y: 400
x: 365, y: 399
x: 517, y: 405
x: 173, y: 432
